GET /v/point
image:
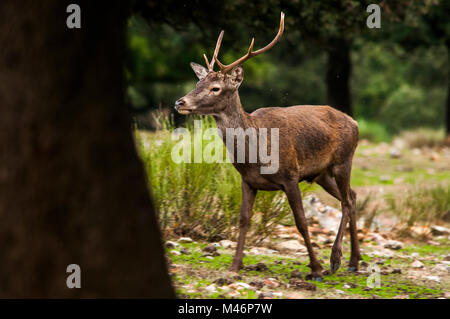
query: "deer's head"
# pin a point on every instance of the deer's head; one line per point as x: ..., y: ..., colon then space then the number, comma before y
x: 213, y: 89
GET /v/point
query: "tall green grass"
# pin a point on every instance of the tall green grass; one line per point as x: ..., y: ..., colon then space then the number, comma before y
x: 202, y: 200
x: 421, y: 204
x: 423, y: 137
x: 372, y: 131
x: 414, y: 138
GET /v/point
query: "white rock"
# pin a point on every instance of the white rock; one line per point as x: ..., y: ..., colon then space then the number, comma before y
x: 378, y: 239
x: 291, y: 245
x: 340, y: 291
x: 185, y: 240
x: 386, y: 253
x: 301, y: 254
x: 417, y: 264
x: 439, y: 230
x: 394, y: 244
x: 175, y: 252
x: 225, y: 288
x: 171, y: 244
x: 441, y: 268
x: 277, y: 294
x: 211, y: 288
x: 227, y: 243
x: 244, y: 285
x: 271, y: 283
x: 287, y: 236
x: 256, y: 251
x: 346, y: 286
x: 433, y: 278
x: 395, y: 153
x: 414, y: 255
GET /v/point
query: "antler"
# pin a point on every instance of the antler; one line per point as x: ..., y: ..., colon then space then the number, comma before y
x: 216, y: 51
x: 250, y: 53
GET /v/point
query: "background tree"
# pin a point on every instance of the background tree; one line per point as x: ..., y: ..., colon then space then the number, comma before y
x: 72, y: 189
x: 436, y: 31
x: 330, y: 26
x: 417, y: 25
x: 387, y: 82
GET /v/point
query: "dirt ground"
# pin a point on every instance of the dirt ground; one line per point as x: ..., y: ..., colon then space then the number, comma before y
x: 413, y: 266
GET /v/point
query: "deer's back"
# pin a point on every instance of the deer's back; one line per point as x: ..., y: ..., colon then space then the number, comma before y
x: 311, y: 138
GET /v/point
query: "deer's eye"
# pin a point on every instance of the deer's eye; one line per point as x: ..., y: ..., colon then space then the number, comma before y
x: 215, y: 89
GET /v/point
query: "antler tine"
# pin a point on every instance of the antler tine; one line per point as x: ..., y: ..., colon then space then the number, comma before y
x: 250, y: 53
x: 216, y: 51
x: 207, y: 62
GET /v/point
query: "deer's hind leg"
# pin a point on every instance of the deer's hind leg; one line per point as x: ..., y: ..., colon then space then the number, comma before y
x: 328, y: 182
x: 348, y: 202
x: 295, y: 201
x: 356, y: 254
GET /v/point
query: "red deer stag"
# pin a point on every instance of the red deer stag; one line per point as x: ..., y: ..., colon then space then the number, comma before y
x: 316, y: 144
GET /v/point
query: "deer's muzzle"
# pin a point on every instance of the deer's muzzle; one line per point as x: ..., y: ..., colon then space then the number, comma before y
x: 181, y: 107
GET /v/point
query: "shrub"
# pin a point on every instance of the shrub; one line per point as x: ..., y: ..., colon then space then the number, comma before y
x: 419, y: 204
x: 372, y: 131
x: 202, y: 200
x: 423, y: 137
x: 407, y: 108
x: 367, y: 209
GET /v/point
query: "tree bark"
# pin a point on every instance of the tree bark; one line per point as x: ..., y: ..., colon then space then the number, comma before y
x: 72, y: 189
x: 447, y: 107
x: 338, y: 76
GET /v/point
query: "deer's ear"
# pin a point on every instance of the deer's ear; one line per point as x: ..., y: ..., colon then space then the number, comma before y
x: 237, y: 75
x: 199, y: 70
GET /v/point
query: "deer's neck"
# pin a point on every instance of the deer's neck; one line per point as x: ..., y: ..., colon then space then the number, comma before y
x: 234, y: 115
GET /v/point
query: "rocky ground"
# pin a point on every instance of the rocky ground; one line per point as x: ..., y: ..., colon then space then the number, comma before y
x: 394, y: 265
x: 390, y: 268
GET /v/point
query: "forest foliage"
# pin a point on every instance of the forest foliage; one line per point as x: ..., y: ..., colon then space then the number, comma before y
x: 398, y: 72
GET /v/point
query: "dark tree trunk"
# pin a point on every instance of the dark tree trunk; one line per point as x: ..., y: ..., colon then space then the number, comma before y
x: 72, y: 189
x: 447, y: 107
x: 338, y: 76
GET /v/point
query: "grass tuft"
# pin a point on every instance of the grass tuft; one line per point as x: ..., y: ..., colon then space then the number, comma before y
x: 426, y: 205
x: 202, y: 200
x: 423, y: 137
x: 372, y: 131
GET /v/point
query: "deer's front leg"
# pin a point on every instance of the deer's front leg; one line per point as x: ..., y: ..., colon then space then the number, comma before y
x: 248, y: 198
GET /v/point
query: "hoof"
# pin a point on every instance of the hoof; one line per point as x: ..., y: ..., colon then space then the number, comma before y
x: 314, y: 277
x: 351, y: 269
x: 334, y: 267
